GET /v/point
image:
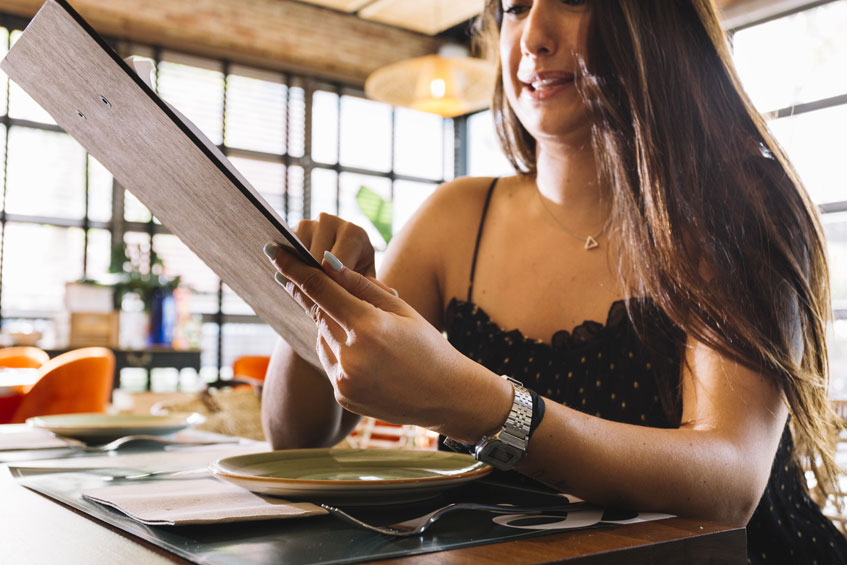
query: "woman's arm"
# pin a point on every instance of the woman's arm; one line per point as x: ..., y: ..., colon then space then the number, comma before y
x: 298, y: 405
x: 715, y: 466
x: 384, y: 360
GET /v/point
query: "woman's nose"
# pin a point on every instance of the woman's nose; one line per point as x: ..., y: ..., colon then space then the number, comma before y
x: 538, y: 37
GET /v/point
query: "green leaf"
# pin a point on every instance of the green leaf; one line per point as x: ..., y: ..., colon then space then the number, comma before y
x: 377, y: 210
x: 118, y: 258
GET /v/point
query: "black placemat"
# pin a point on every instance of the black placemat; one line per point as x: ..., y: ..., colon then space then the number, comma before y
x: 324, y: 539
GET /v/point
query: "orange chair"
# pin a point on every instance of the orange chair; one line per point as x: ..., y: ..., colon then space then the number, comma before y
x: 23, y: 357
x: 76, y: 381
x: 251, y: 366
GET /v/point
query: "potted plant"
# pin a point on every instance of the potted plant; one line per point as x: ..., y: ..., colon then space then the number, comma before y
x: 150, y: 285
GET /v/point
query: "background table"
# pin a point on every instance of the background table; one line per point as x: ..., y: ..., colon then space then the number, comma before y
x: 153, y: 358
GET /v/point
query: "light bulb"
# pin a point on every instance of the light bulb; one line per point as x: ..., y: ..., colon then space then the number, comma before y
x: 438, y: 88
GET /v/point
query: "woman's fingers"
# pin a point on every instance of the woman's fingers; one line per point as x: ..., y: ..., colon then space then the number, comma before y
x: 304, y: 301
x: 384, y: 286
x: 347, y: 241
x: 305, y: 229
x: 330, y: 297
x: 324, y: 235
x: 353, y: 248
x: 366, y: 288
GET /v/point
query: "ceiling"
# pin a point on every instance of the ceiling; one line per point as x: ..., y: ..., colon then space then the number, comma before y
x: 337, y: 40
x: 429, y: 17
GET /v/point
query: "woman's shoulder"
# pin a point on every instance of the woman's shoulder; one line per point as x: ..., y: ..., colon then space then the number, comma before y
x: 460, y: 197
x: 437, y: 240
x: 464, y: 189
x: 448, y: 212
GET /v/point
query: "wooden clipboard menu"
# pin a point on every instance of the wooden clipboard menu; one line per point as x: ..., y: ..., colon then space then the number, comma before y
x: 92, y: 94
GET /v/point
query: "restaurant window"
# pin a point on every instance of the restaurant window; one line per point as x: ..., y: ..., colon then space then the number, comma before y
x: 397, y: 154
x: 485, y: 158
x: 306, y: 145
x: 792, y: 67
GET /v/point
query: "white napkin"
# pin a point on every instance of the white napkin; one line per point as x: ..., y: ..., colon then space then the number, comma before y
x: 195, y: 501
x: 22, y: 437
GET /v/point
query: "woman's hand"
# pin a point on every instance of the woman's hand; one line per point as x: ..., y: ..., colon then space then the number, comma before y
x: 346, y: 241
x: 385, y: 360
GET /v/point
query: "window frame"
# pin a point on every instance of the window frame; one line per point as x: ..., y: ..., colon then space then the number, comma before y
x: 118, y: 226
x: 805, y: 107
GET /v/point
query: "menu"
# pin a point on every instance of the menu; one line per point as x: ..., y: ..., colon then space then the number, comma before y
x: 159, y: 156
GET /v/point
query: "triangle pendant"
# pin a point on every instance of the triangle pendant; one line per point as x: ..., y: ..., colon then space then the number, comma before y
x: 590, y: 243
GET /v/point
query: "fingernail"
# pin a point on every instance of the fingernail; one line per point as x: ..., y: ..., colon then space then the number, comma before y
x: 333, y: 261
x: 280, y: 279
x: 397, y: 294
x: 271, y: 250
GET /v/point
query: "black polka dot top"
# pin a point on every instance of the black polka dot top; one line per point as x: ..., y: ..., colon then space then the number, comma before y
x: 617, y: 372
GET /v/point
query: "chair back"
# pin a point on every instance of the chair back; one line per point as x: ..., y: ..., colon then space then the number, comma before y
x: 251, y: 366
x: 23, y: 357
x: 73, y: 382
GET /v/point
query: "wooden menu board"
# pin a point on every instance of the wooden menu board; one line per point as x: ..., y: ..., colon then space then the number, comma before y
x: 92, y: 94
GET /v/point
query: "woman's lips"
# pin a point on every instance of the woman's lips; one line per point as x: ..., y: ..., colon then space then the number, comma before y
x: 543, y: 86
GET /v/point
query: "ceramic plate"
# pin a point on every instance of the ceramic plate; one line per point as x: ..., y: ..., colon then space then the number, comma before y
x: 106, y: 427
x: 350, y: 476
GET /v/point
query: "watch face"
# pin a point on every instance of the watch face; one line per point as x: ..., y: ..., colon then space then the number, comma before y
x: 499, y: 455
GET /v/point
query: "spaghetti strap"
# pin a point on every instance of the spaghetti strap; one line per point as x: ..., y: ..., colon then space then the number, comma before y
x: 479, y: 236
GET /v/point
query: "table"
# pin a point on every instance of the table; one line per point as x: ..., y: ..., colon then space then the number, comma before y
x: 16, y: 381
x: 152, y: 358
x: 27, y: 519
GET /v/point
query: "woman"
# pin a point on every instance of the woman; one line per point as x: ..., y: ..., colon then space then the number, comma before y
x: 649, y: 196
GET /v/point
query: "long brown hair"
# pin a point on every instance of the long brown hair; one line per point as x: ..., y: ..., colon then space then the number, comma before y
x: 718, y: 229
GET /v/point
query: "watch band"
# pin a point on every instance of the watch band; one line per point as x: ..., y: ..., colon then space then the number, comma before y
x: 506, y: 447
x: 516, y: 429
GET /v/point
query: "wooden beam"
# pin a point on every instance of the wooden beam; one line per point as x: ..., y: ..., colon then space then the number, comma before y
x: 739, y: 13
x: 277, y: 34
x: 724, y: 4
x: 280, y: 34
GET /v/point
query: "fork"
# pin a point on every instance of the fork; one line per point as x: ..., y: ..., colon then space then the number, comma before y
x: 419, y: 525
x: 184, y: 474
x: 115, y: 444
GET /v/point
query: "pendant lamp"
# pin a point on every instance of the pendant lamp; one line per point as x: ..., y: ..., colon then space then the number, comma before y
x: 449, y: 84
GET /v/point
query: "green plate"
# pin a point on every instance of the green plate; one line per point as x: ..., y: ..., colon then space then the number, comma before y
x: 350, y: 476
x: 106, y: 427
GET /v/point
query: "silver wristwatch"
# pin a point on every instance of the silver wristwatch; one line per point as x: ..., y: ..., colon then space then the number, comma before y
x: 507, y: 447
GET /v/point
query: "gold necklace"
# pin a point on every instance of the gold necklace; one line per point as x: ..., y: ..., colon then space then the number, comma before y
x: 590, y: 241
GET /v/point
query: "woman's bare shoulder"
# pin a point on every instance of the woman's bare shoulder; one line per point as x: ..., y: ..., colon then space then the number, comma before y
x: 422, y: 258
x: 452, y: 209
x: 459, y: 201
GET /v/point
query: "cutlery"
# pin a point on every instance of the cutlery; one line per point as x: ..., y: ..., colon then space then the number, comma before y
x: 185, y: 474
x: 115, y: 444
x: 419, y: 525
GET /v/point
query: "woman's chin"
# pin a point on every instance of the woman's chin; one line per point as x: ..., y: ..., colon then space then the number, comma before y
x: 561, y: 132
x: 565, y: 124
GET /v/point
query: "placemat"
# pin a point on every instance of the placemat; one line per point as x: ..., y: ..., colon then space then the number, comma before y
x: 328, y: 540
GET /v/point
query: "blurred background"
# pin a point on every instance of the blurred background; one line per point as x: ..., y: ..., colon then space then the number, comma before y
x: 279, y: 86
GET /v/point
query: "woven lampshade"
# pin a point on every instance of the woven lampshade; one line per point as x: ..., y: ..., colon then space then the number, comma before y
x: 447, y: 84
